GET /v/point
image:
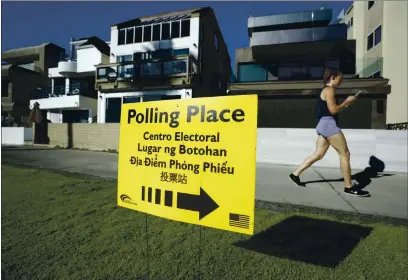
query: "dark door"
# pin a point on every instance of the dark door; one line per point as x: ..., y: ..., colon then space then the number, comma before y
x: 113, y: 110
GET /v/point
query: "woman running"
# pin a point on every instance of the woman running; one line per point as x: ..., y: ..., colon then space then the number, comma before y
x: 329, y: 134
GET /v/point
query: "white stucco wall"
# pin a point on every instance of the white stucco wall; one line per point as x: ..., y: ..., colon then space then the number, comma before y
x: 191, y: 42
x: 395, y: 59
x: 16, y: 135
x: 87, y: 58
x: 292, y: 146
x: 66, y: 102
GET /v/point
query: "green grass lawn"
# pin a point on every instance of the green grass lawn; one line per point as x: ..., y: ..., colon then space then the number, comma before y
x: 64, y: 227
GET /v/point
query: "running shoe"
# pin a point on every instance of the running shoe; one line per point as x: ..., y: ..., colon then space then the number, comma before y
x: 355, y: 191
x: 295, y: 179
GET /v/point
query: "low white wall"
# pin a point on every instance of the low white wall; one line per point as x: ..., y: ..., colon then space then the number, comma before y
x: 28, y: 134
x: 292, y: 146
x: 16, y: 135
x: 66, y: 102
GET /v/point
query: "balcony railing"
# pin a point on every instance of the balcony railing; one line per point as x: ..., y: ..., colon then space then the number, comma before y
x: 370, y: 66
x: 57, y: 91
x: 149, y: 69
x: 285, y: 19
x: 331, y: 32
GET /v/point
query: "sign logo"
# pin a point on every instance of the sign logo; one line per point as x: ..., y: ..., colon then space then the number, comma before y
x: 126, y: 199
x: 191, y: 160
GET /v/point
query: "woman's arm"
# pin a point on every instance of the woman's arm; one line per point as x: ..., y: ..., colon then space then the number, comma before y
x: 331, y: 101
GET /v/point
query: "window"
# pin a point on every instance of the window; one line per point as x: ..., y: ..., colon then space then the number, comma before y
x: 333, y: 63
x: 104, y: 72
x: 348, y: 66
x: 370, y: 4
x: 377, y: 36
x: 148, y: 98
x: 4, y: 89
x: 175, y: 67
x: 131, y: 99
x: 380, y: 106
x: 156, y: 32
x: 316, y: 72
x: 185, y: 28
x: 165, y: 31
x: 130, y: 35
x: 121, y: 36
x: 251, y: 73
x: 374, y: 38
x: 285, y: 71
x: 127, y: 71
x: 216, y: 42
x: 175, y: 29
x: 376, y: 75
x: 170, y: 97
x: 201, y: 63
x: 151, y: 69
x: 370, y: 41
x: 181, y: 52
x: 161, y: 54
x: 201, y: 33
x: 147, y: 55
x: 147, y: 33
x: 350, y: 23
x: 138, y: 35
x: 299, y: 72
x: 124, y: 58
x: 272, y: 71
x: 169, y: 53
x: 137, y: 57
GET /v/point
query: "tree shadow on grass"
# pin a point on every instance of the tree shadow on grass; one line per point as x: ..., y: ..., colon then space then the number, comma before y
x: 312, y: 241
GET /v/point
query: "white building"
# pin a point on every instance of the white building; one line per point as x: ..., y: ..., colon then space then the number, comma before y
x: 72, y: 96
x: 380, y: 31
x: 167, y: 56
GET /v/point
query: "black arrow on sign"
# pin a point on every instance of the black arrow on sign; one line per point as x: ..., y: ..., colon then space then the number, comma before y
x: 201, y: 203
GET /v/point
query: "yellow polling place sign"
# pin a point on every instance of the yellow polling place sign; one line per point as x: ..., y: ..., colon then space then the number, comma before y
x: 191, y: 160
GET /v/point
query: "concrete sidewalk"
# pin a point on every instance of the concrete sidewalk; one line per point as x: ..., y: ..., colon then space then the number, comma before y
x: 323, y: 186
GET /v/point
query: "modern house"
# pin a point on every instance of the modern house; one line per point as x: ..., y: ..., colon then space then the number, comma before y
x: 284, y: 65
x: 380, y: 31
x: 71, y: 96
x: 24, y: 70
x: 168, y: 56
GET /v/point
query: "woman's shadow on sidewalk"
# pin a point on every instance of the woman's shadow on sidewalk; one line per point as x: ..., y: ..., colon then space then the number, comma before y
x: 363, y: 178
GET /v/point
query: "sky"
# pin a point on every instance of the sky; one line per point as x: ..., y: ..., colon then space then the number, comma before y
x: 33, y: 23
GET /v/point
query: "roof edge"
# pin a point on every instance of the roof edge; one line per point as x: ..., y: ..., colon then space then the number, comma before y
x: 190, y: 11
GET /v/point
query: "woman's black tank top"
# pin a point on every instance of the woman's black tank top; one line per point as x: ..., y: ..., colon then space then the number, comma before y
x: 322, y: 110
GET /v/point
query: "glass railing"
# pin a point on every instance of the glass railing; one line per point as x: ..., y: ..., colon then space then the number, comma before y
x: 370, y: 67
x: 57, y: 91
x: 291, y: 71
x: 331, y: 32
x: 302, y: 17
x: 140, y: 70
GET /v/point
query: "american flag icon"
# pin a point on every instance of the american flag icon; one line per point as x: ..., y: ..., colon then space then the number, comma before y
x: 238, y: 220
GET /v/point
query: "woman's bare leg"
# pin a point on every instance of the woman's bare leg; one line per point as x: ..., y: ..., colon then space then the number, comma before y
x: 339, y: 143
x: 321, y: 148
